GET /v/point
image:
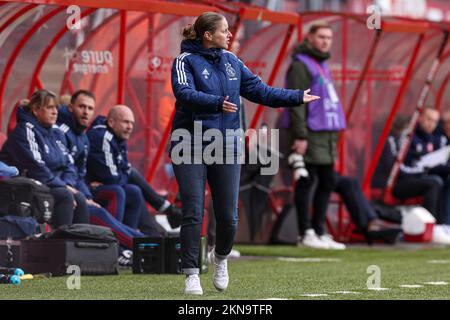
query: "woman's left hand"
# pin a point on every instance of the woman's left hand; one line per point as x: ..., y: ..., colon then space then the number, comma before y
x: 309, y: 97
x: 229, y: 107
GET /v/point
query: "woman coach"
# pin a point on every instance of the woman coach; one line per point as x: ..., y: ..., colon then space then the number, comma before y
x: 207, y: 81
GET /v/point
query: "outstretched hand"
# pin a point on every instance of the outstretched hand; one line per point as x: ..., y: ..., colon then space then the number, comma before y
x: 309, y: 97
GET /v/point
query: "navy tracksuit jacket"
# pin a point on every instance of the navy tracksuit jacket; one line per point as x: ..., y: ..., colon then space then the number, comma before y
x: 108, y: 156
x: 78, y: 146
x: 202, y: 78
x: 40, y: 151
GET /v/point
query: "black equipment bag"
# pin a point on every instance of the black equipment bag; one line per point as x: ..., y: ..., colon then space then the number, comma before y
x: 82, y: 231
x: 163, y: 255
x: 93, y: 249
x: 24, y: 197
x: 17, y: 228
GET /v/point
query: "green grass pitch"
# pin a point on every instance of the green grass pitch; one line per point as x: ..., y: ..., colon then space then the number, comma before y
x: 275, y: 272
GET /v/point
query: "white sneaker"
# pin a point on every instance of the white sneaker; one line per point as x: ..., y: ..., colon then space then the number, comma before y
x: 311, y: 240
x: 193, y: 285
x: 220, y: 272
x: 333, y: 245
x: 234, y: 254
x: 440, y: 235
x: 125, y: 259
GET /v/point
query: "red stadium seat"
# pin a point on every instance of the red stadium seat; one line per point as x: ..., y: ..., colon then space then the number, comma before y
x: 2, y: 139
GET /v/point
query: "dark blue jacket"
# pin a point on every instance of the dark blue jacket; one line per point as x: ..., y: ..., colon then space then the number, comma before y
x: 202, y: 78
x: 78, y: 146
x: 108, y: 155
x: 422, y: 143
x: 40, y: 151
x: 387, y: 160
x: 440, y: 140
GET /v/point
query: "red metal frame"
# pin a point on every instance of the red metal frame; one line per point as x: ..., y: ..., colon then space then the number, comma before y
x: 66, y: 78
x: 16, y: 16
x: 441, y: 91
x: 413, y: 122
x: 236, y: 27
x: 150, y: 45
x: 390, y: 120
x: 363, y: 75
x: 16, y: 52
x: 242, y: 12
x: 274, y: 72
x: 341, y: 145
x: 47, y: 51
x: 113, y: 43
x: 122, y: 45
x: 176, y: 8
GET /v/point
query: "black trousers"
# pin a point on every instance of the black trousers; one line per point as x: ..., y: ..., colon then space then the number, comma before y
x: 324, y: 174
x: 150, y: 195
x: 359, y: 208
x: 430, y: 187
x: 64, y: 212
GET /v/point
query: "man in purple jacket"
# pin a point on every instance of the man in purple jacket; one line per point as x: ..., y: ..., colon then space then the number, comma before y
x: 314, y: 131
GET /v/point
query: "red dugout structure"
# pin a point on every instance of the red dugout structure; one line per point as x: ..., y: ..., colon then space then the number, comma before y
x: 124, y: 50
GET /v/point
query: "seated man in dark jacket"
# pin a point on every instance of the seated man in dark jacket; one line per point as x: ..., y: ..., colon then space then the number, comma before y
x: 38, y: 149
x: 108, y: 165
x: 442, y: 139
x: 413, y: 180
x: 73, y: 120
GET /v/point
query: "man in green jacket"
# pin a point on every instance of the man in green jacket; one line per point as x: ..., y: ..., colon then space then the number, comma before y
x: 314, y: 131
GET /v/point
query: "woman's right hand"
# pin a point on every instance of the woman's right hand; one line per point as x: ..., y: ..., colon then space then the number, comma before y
x: 309, y: 97
x: 228, y: 106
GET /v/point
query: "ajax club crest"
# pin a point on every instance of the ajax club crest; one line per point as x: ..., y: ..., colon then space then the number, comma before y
x: 230, y: 71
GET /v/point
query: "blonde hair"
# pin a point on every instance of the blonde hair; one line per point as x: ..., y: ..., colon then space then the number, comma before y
x: 41, y: 98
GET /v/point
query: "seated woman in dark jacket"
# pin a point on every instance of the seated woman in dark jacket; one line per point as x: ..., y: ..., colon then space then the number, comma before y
x: 36, y: 148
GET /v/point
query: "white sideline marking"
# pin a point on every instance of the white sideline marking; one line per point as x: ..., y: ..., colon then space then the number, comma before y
x: 379, y: 289
x: 437, y: 283
x: 275, y: 299
x: 315, y: 295
x: 309, y: 259
x: 411, y: 286
x: 439, y: 261
x: 346, y: 292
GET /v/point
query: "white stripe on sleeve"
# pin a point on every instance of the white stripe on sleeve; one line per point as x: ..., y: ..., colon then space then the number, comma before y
x: 33, y: 146
x: 108, y: 155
